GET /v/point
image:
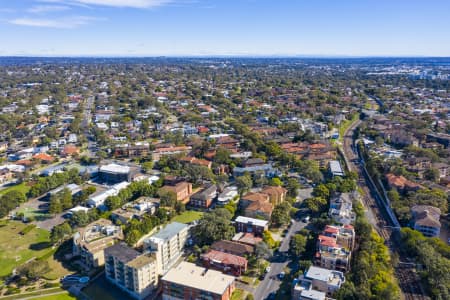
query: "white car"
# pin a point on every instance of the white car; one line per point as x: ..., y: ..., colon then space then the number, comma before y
x: 268, y: 269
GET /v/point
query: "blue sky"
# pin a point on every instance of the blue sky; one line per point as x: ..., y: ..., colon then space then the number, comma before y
x: 225, y: 27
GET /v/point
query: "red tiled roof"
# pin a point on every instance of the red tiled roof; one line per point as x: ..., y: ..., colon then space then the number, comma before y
x: 331, y: 229
x: 327, y: 241
x: 225, y: 258
x: 44, y: 157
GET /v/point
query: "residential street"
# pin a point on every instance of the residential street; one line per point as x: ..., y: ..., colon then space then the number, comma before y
x: 271, y: 283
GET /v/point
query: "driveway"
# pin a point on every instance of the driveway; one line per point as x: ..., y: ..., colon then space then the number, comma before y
x: 271, y: 283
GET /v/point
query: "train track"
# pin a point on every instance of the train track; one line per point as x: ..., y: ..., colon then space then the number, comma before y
x: 406, y: 275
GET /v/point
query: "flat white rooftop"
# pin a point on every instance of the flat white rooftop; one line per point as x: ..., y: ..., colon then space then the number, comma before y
x: 115, y: 168
x: 256, y: 222
x: 190, y: 275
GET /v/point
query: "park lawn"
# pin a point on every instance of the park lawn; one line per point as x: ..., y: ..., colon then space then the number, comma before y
x: 39, y: 293
x: 63, y: 296
x: 15, y: 249
x: 56, y: 266
x: 22, y: 187
x: 188, y: 216
x: 57, y: 269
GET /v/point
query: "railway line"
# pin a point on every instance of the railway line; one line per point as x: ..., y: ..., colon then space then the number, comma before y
x: 378, y: 216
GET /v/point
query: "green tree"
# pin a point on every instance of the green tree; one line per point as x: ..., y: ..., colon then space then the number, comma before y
x: 66, y: 199
x: 281, y: 214
x: 262, y: 250
x: 167, y: 198
x: 244, y: 183
x: 292, y: 187
x: 275, y: 182
x: 34, y: 269
x: 214, y: 226
x: 113, y: 202
x: 316, y: 204
x: 60, y: 232
x: 55, y: 205
x: 431, y: 174
x: 297, y: 244
x: 322, y: 191
x: 147, y: 166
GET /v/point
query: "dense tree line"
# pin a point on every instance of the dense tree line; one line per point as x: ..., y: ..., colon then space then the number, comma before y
x: 372, y: 275
x: 44, y: 184
x: 131, y: 192
x: 434, y: 255
x: 9, y: 201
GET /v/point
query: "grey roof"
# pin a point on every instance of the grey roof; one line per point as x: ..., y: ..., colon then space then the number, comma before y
x: 335, y: 167
x: 256, y: 168
x: 122, y: 252
x: 169, y: 231
x: 205, y: 193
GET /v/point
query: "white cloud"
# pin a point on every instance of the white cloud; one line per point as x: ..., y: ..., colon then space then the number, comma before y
x: 114, y: 3
x: 63, y: 23
x: 47, y: 8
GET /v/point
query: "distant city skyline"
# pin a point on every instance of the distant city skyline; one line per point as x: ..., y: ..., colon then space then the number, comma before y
x: 327, y: 28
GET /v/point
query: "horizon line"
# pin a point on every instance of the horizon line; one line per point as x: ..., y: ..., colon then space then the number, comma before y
x: 215, y: 56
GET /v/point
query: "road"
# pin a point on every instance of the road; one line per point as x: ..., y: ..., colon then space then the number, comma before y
x: 87, y: 119
x: 378, y: 216
x: 271, y: 283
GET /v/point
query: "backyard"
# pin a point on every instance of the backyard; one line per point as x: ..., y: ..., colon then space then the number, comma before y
x: 188, y: 216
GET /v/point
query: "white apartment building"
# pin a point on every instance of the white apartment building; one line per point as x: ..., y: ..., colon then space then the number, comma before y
x: 168, y: 245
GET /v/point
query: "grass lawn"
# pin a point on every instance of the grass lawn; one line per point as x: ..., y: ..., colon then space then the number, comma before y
x: 31, y: 212
x: 188, y: 216
x: 345, y: 125
x: 41, y: 294
x: 19, y: 187
x: 238, y: 294
x: 15, y: 249
x: 57, y: 268
x: 64, y: 296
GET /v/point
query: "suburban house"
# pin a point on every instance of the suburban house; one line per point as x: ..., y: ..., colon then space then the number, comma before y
x: 225, y: 262
x: 228, y: 194
x: 317, y: 283
x: 132, y: 151
x: 251, y: 197
x: 196, y: 161
x: 5, y: 175
x: 266, y: 170
x: 204, y: 198
x: 232, y: 247
x: 277, y: 194
x: 401, y: 184
x: 188, y: 281
x: 251, y: 225
x: 135, y: 210
x: 425, y: 219
x: 336, y: 168
x: 341, y: 208
x: 167, y: 151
